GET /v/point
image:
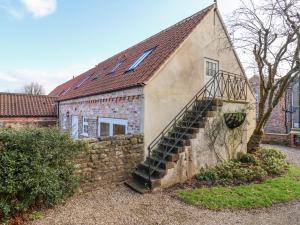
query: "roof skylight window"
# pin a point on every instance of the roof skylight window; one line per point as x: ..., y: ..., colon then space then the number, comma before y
x: 64, y: 92
x: 116, y: 66
x: 140, y: 59
x: 81, y: 83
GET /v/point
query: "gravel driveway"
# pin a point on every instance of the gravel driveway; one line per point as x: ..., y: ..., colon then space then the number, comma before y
x: 122, y: 206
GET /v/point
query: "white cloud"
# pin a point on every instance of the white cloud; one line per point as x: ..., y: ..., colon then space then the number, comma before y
x: 40, y: 8
x: 14, y: 80
x: 18, y: 14
x: 4, y: 77
x: 228, y: 6
x: 11, y: 9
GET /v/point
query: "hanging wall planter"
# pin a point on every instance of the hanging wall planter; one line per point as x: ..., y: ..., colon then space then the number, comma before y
x: 234, y: 120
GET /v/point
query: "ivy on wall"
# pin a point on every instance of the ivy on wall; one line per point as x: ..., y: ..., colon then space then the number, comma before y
x: 220, y: 136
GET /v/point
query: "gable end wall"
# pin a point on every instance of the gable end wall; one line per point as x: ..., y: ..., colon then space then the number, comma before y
x: 182, y: 76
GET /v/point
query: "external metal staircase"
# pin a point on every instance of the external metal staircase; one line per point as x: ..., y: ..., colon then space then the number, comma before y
x: 164, y: 150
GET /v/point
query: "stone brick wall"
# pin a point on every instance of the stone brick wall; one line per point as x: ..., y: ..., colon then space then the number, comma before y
x: 292, y: 139
x: 109, y: 161
x: 24, y: 122
x: 279, y: 128
x: 126, y: 104
x: 277, y: 139
x: 278, y: 122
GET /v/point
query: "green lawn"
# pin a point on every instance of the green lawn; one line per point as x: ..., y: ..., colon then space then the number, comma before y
x: 281, y: 189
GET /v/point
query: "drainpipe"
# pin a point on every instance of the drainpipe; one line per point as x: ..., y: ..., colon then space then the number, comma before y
x: 298, y: 100
x: 288, y: 110
x: 58, y: 112
x: 285, y: 112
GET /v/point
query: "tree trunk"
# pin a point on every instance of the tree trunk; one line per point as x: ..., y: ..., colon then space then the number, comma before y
x: 257, y: 134
x: 254, y: 141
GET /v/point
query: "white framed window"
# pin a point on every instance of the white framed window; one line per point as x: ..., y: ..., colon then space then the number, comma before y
x: 85, y: 126
x: 140, y: 59
x: 82, y: 82
x: 211, y: 67
x: 111, y: 127
x: 116, y: 66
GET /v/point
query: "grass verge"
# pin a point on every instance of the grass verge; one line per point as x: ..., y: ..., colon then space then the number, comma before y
x: 280, y: 189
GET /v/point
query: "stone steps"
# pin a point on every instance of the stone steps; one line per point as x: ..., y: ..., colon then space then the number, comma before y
x: 137, y: 186
x: 167, y: 153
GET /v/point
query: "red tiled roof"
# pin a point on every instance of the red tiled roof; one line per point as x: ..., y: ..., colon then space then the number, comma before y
x: 100, y: 81
x: 66, y: 87
x: 23, y: 105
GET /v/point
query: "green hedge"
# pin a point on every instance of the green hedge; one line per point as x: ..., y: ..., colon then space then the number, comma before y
x: 34, y: 169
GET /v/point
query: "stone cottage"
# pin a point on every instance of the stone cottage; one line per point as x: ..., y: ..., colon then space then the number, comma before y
x: 22, y: 110
x: 283, y: 126
x: 176, y: 76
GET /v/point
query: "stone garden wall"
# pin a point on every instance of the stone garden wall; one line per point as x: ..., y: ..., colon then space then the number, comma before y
x: 109, y: 161
x: 27, y: 122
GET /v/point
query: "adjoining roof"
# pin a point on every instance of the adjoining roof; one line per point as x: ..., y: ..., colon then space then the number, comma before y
x: 23, y: 105
x: 66, y: 87
x: 99, y: 79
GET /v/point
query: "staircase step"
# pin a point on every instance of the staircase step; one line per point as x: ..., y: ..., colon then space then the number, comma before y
x: 189, y: 130
x: 164, y: 164
x: 196, y: 124
x: 217, y: 102
x: 170, y: 147
x: 181, y: 141
x: 204, y: 104
x: 182, y: 135
x: 168, y: 156
x: 158, y: 172
x: 194, y: 113
x: 202, y: 108
x: 209, y: 103
x: 143, y: 178
x: 137, y: 186
x: 193, y: 116
x: 211, y: 114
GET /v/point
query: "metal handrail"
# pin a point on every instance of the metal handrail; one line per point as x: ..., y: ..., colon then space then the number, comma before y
x: 223, y: 84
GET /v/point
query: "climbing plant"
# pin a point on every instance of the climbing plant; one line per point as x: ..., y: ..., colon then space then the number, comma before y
x: 219, y: 135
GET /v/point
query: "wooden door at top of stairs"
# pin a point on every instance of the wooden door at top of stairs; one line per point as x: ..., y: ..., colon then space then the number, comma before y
x: 211, y: 67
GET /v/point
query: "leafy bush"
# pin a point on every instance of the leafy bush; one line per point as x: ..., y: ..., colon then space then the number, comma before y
x: 247, y: 158
x: 247, y: 168
x: 272, y: 160
x: 35, y: 169
x: 207, y: 175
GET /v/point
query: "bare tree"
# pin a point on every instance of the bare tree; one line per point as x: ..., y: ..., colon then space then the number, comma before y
x: 33, y: 88
x: 268, y: 33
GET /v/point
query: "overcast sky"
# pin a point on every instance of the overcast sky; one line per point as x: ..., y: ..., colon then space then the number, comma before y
x: 49, y: 41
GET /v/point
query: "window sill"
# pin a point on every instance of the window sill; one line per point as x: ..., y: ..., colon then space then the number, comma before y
x: 84, y: 134
x: 129, y: 71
